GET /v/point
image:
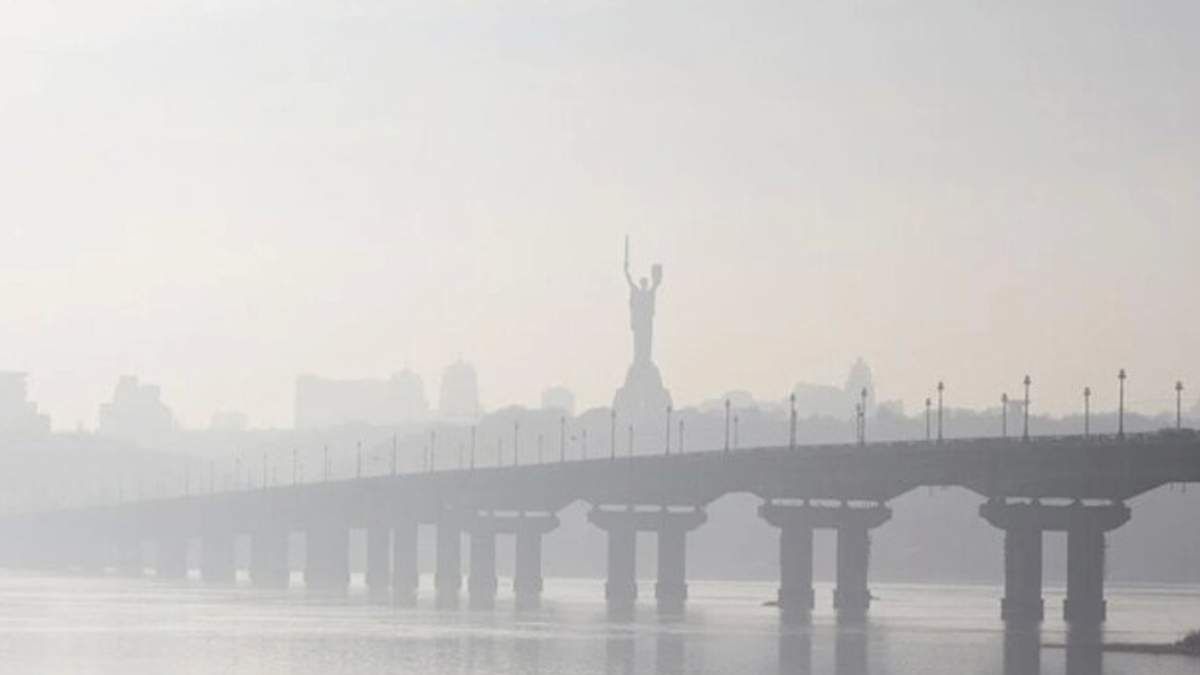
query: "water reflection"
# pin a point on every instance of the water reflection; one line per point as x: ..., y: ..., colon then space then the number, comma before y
x: 850, y: 650
x: 669, y: 650
x: 795, y: 650
x: 619, y: 653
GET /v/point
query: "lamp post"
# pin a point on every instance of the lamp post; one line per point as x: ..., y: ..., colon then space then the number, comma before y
x: 1025, y: 431
x: 562, y: 439
x: 1087, y: 412
x: 736, y: 427
x: 681, y: 435
x: 612, y: 434
x: 941, y: 388
x: 928, y: 403
x: 726, y: 425
x: 432, y: 449
x: 1121, y: 405
x: 1004, y: 415
x: 583, y: 444
x: 1178, y: 405
x: 792, y: 430
x: 862, y: 434
x: 858, y: 423
x: 668, y: 443
x: 516, y: 443
x: 473, y: 432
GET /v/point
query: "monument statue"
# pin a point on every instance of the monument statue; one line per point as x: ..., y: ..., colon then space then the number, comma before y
x: 643, y: 396
x: 641, y: 310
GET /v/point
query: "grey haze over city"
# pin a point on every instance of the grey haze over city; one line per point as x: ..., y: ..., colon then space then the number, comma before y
x: 704, y: 337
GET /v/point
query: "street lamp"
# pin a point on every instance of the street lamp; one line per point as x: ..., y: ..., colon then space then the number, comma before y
x: 473, y: 431
x: 1004, y: 415
x: 928, y: 403
x: 668, y: 443
x: 736, y: 426
x: 516, y: 443
x: 1121, y: 405
x: 1087, y: 412
x: 681, y: 435
x: 792, y: 432
x: 858, y: 423
x: 862, y: 435
x: 612, y: 434
x: 1025, y: 432
x: 727, y: 425
x: 941, y: 388
x: 1178, y: 405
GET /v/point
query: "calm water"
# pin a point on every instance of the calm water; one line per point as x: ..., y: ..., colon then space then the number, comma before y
x: 106, y: 625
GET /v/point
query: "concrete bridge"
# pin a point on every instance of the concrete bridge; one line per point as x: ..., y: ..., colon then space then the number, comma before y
x: 1072, y: 484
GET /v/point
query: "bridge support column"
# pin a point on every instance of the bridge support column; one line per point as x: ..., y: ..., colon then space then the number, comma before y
x: 405, y: 576
x: 327, y: 557
x: 1023, y: 525
x: 217, y: 565
x: 379, y: 561
x: 795, y: 596
x: 171, y: 558
x: 447, y: 580
x: 482, y: 583
x: 670, y: 589
x: 1085, y: 576
x: 620, y: 588
x: 527, y: 575
x: 269, y: 558
x: 796, y: 522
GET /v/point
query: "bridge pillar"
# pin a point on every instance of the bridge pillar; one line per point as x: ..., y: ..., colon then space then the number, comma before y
x: 171, y: 558
x: 1085, y: 576
x: 852, y: 597
x: 796, y: 523
x: 1023, y: 525
x: 670, y: 589
x: 447, y: 581
x: 405, y: 577
x: 482, y: 583
x: 327, y: 557
x: 269, y: 558
x: 527, y: 574
x: 217, y: 564
x: 379, y: 561
x: 620, y: 588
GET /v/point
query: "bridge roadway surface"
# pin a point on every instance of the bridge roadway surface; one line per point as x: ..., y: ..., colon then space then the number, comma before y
x: 1093, y: 475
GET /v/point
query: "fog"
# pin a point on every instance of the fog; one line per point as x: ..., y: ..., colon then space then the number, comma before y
x: 857, y: 318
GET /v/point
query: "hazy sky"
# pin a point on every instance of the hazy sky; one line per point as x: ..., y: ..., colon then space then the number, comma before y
x: 220, y: 195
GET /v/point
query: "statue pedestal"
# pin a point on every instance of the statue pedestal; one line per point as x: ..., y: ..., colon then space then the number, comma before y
x: 643, y: 396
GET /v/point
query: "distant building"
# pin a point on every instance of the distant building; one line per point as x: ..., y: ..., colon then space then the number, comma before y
x: 559, y: 398
x: 19, y: 416
x: 828, y: 401
x: 459, y: 395
x: 229, y: 420
x: 136, y: 413
x: 323, y: 402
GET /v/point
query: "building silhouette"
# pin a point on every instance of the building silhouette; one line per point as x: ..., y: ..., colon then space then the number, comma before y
x: 830, y: 401
x: 136, y: 413
x: 18, y: 415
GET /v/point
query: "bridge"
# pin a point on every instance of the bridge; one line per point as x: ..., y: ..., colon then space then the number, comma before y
x: 1076, y: 484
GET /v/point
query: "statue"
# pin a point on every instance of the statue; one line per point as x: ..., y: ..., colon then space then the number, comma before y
x: 641, y: 310
x: 643, y: 397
